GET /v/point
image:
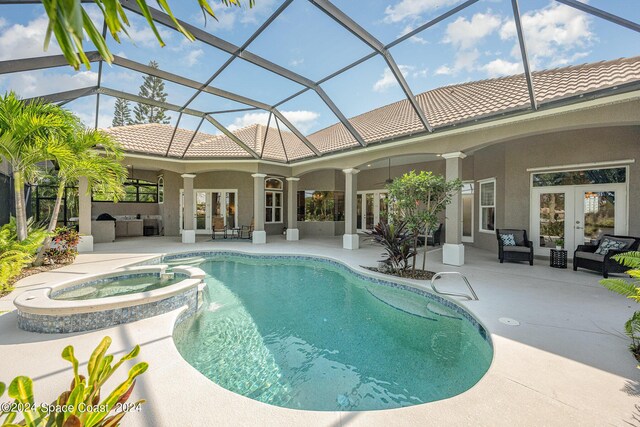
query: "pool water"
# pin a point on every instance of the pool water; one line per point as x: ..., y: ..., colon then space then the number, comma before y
x: 309, y: 335
x: 116, y: 286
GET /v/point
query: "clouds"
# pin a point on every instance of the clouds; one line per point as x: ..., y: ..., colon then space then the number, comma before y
x: 413, y: 9
x: 555, y: 35
x: 465, y: 34
x: 25, y: 41
x: 193, y: 57
x: 500, y: 67
x: 303, y: 120
x: 387, y: 80
x: 552, y: 34
x: 38, y: 83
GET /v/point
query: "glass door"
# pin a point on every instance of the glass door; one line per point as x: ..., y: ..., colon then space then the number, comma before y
x: 371, y: 206
x: 577, y: 215
x: 599, y: 210
x: 552, y: 208
x: 212, y: 207
x: 201, y: 221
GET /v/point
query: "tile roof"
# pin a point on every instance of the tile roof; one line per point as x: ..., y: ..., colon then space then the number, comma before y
x: 154, y: 138
x: 442, y: 106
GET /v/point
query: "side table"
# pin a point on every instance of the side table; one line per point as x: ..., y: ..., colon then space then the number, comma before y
x: 558, y: 258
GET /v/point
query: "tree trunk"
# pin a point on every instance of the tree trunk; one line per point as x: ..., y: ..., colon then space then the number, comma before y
x: 21, y: 211
x: 53, y: 223
x: 415, y: 252
x: 424, y: 258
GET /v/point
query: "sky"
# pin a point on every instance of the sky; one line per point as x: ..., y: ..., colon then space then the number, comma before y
x: 478, y: 43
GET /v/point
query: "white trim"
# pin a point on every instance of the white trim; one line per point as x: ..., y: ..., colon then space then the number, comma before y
x: 274, y: 207
x: 480, y: 206
x: 470, y: 239
x: 293, y: 178
x: 454, y: 155
x: 352, y: 171
x: 188, y: 175
x: 259, y: 175
x: 579, y: 166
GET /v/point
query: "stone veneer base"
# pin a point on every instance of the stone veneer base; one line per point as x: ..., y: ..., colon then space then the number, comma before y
x: 80, y: 322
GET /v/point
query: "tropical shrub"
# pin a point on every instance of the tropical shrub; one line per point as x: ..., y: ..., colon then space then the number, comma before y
x: 418, y: 199
x: 82, y: 404
x: 631, y: 290
x: 65, y: 246
x: 396, y: 241
x: 17, y: 254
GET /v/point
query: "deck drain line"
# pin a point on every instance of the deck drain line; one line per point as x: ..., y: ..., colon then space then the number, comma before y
x: 508, y: 321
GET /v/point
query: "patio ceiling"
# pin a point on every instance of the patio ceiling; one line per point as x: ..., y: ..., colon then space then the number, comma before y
x: 414, y: 115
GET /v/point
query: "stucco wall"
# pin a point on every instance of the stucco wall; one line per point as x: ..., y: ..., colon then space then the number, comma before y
x: 241, y: 181
x: 373, y: 179
x: 508, y: 163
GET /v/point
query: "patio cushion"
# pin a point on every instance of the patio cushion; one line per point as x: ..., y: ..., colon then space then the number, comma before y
x: 508, y: 239
x: 516, y: 249
x: 590, y: 255
x: 518, y: 235
x: 613, y: 243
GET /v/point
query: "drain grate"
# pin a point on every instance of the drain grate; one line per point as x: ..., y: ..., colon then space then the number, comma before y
x: 508, y: 321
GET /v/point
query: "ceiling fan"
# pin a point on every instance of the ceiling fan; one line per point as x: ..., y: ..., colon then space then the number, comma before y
x: 389, y: 180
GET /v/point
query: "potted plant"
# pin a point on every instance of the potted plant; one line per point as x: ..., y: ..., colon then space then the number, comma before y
x: 559, y: 244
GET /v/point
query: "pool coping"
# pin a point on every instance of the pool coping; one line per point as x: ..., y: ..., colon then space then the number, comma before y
x: 39, y: 301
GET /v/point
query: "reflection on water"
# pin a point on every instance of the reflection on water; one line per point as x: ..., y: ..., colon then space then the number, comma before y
x: 311, y: 336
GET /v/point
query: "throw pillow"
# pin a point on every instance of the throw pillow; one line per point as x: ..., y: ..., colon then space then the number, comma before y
x: 607, y: 244
x: 508, y: 239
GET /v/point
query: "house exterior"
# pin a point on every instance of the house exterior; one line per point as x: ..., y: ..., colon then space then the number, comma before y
x: 568, y: 169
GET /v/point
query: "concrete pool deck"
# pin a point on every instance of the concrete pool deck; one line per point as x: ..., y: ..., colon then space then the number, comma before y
x: 566, y: 364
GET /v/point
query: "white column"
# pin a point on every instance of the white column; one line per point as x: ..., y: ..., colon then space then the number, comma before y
x: 453, y: 249
x: 292, y: 209
x: 350, y: 240
x: 84, y: 216
x: 188, y: 233
x: 259, y: 235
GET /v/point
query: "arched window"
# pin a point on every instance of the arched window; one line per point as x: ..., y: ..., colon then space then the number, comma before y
x: 273, y: 200
x: 273, y: 184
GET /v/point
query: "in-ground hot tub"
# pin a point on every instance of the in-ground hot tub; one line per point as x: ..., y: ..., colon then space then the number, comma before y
x: 108, y: 299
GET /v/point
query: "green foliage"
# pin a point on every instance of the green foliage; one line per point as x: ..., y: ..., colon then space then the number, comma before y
x: 31, y: 133
x: 631, y: 290
x: 121, y: 113
x: 17, y: 254
x: 152, y: 88
x: 81, y: 405
x: 418, y: 198
x: 396, y: 241
x: 70, y: 23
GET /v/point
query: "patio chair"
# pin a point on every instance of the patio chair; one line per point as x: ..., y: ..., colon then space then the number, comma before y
x: 598, y: 257
x: 246, y: 231
x: 433, y: 238
x: 218, y: 227
x: 513, y: 245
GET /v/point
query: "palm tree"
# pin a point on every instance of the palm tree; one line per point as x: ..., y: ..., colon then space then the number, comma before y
x: 30, y: 133
x: 101, y: 167
x: 70, y: 22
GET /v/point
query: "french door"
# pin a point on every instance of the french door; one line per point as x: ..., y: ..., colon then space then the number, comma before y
x: 212, y: 208
x: 370, y: 207
x: 578, y: 214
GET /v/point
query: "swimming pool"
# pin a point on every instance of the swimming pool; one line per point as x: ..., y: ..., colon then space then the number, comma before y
x: 311, y: 334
